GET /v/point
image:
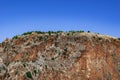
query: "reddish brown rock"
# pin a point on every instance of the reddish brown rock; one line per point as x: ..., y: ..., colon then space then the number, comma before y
x: 61, y: 56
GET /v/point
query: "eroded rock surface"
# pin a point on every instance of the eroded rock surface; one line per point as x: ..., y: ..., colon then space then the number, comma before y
x: 61, y: 56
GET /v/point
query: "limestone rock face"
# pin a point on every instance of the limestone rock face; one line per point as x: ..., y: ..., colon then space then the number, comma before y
x: 61, y: 56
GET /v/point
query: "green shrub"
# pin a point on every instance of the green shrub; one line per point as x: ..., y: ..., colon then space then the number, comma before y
x: 28, y: 74
x: 72, y: 31
x: 35, y: 72
x: 43, y: 56
x: 88, y: 31
x: 39, y: 32
x: 26, y: 33
x: 64, y: 53
x: 59, y: 31
x: 118, y: 38
x: 49, y: 32
x: 68, y: 34
x: 53, y: 58
x: 81, y: 31
x: 40, y: 37
x: 100, y: 38
x: 15, y: 37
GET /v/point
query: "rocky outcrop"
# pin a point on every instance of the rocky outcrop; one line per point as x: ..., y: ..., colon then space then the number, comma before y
x: 61, y: 56
x: 3, y: 70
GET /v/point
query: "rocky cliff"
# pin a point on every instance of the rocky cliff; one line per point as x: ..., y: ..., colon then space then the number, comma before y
x: 60, y: 56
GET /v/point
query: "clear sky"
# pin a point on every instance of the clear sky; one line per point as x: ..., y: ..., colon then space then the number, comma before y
x: 18, y: 16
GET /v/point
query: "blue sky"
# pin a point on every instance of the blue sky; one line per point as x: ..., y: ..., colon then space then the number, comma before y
x: 18, y: 16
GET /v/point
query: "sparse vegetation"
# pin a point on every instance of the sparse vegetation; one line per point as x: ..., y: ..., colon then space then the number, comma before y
x: 72, y: 31
x: 15, y: 37
x: 52, y: 32
x: 38, y: 32
x: 35, y: 55
x: 59, y: 31
x: 64, y: 53
x: 0, y: 43
x: 81, y: 31
x: 52, y: 58
x: 68, y: 34
x: 118, y: 38
x: 100, y: 38
x: 49, y: 32
x: 45, y: 66
x: 88, y: 31
x: 26, y: 33
x: 35, y: 72
x: 40, y: 37
x: 43, y: 56
x: 24, y: 65
x: 28, y: 74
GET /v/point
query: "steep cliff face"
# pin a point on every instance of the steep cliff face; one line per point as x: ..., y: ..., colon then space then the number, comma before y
x: 61, y: 56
